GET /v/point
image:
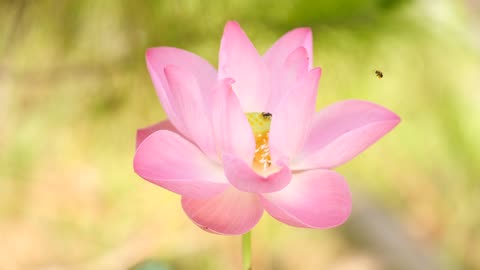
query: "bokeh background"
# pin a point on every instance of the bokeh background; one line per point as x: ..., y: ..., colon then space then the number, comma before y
x: 74, y: 88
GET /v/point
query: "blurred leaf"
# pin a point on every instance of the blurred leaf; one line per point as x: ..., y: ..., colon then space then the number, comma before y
x: 151, y: 265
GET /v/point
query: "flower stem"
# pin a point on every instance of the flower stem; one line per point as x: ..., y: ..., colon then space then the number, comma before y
x: 247, y: 251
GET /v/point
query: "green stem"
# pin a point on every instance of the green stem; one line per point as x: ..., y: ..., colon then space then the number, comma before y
x: 247, y: 251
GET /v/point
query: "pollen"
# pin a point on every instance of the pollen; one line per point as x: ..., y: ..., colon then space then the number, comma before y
x: 260, y: 123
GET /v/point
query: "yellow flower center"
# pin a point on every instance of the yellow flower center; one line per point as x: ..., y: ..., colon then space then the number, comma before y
x: 260, y: 123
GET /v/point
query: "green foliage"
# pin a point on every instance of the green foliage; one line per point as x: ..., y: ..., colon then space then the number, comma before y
x: 151, y: 265
x: 74, y: 89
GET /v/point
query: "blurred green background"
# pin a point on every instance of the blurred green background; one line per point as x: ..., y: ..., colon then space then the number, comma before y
x: 74, y: 88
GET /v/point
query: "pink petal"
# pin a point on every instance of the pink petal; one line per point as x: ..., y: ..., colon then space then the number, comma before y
x: 285, y: 77
x: 240, y: 61
x: 243, y: 177
x: 314, y: 199
x: 232, y: 132
x: 231, y: 212
x: 343, y: 130
x: 300, y: 37
x: 168, y: 160
x: 292, y: 118
x: 191, y: 108
x: 158, y: 58
x: 143, y: 133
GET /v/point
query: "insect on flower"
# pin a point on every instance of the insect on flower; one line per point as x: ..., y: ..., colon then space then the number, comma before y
x: 379, y: 74
x: 245, y: 139
x: 266, y: 115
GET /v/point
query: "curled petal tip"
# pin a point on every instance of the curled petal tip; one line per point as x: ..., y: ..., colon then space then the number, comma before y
x: 316, y: 71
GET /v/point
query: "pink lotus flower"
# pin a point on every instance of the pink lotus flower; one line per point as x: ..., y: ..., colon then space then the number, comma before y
x: 230, y: 162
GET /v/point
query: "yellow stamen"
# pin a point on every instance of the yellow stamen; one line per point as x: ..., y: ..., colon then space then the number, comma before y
x: 260, y: 123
